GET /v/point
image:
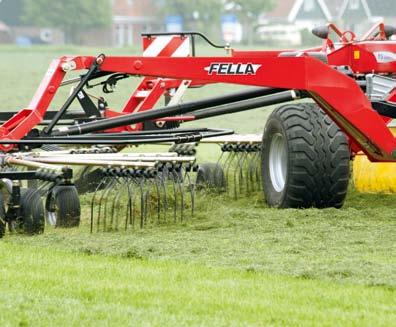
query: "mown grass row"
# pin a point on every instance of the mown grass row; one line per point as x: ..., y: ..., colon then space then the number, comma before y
x: 47, y: 287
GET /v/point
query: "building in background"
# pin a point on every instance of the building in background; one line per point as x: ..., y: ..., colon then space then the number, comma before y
x: 301, y: 13
x: 130, y: 19
x: 309, y: 13
x: 290, y: 20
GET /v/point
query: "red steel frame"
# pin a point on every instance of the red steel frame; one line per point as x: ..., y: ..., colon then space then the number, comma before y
x: 339, y: 95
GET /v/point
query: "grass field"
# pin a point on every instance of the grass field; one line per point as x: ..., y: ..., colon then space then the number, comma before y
x: 234, y: 263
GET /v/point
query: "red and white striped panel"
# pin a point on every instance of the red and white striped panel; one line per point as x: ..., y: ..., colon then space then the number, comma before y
x: 166, y: 46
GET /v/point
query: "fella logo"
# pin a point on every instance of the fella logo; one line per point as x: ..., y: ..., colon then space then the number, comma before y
x: 219, y: 68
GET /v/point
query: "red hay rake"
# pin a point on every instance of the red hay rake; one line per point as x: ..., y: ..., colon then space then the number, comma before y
x: 301, y: 161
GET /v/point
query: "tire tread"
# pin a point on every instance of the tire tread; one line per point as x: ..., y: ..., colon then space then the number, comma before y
x: 318, y: 157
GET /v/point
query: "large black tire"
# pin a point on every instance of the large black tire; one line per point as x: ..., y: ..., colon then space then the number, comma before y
x: 63, y: 206
x: 211, y: 176
x: 32, y: 212
x: 305, y: 159
x: 2, y: 216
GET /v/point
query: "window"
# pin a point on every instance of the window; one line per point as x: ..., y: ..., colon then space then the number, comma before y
x: 130, y: 2
x: 354, y: 4
x: 309, y: 5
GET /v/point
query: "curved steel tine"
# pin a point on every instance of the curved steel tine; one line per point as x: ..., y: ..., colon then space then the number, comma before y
x: 220, y: 164
x: 104, y: 196
x: 154, y: 181
x: 221, y: 158
x: 227, y: 164
x: 105, y: 186
x: 175, y: 196
x: 128, y: 214
x: 230, y: 163
x: 115, y: 192
x: 147, y: 196
x: 237, y: 170
x: 121, y: 192
x: 236, y: 180
x: 162, y: 181
x: 191, y: 187
x: 140, y: 184
x: 182, y: 192
x: 155, y: 189
x: 116, y: 200
x: 251, y: 166
x: 135, y: 186
x: 243, y: 169
x: 107, y: 198
x: 238, y: 173
x: 254, y: 169
x: 258, y: 171
x: 178, y: 181
x: 248, y: 163
x: 98, y: 188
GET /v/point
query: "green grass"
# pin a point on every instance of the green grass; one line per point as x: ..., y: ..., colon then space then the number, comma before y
x: 354, y: 244
x: 233, y: 263
x: 47, y: 287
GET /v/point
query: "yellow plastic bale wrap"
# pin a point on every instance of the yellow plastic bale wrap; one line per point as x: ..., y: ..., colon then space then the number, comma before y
x: 374, y: 177
x: 370, y: 177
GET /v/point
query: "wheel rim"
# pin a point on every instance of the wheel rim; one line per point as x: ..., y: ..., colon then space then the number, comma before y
x: 278, y: 162
x: 51, y: 218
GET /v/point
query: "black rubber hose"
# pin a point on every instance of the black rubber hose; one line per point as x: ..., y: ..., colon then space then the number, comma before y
x: 179, y: 109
